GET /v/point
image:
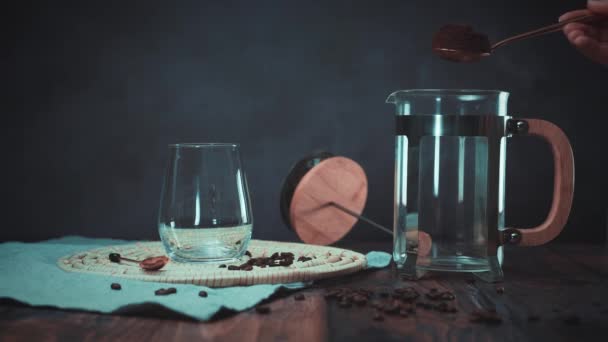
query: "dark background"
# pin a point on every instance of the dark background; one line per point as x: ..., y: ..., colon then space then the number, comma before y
x: 95, y: 90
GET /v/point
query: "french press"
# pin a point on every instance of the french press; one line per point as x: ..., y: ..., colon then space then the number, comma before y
x: 450, y: 158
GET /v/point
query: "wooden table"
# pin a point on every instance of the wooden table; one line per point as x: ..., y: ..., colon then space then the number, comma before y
x: 566, y: 286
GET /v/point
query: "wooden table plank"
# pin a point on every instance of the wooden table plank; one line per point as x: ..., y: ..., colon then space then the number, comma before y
x: 554, y: 282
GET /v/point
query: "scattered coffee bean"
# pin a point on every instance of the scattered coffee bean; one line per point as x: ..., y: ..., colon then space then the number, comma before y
x: 360, y: 300
x: 344, y: 304
x: 304, y: 259
x: 248, y: 253
x: 572, y: 319
x: 299, y: 296
x: 202, y: 294
x: 391, y: 308
x: 164, y: 292
x: 485, y: 316
x: 436, y: 295
x: 233, y: 268
x: 114, y: 257
x: 115, y: 286
x: 377, y: 316
x: 222, y: 266
x: 533, y: 318
x: 238, y: 242
x: 262, y: 310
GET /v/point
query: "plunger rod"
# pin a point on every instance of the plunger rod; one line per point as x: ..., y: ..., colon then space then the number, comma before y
x: 361, y: 217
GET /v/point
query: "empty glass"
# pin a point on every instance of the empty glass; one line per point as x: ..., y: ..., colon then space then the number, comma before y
x: 205, y: 210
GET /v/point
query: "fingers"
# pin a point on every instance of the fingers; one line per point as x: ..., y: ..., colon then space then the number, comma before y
x: 590, y: 47
x: 588, y: 30
x: 573, y: 14
x: 597, y: 6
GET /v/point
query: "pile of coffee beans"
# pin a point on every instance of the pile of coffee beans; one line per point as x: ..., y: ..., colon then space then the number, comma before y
x: 284, y: 259
x: 400, y: 301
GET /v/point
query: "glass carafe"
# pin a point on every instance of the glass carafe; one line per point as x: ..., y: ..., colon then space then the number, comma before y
x: 450, y: 160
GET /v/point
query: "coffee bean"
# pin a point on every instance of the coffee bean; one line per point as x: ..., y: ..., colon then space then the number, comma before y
x: 233, y: 268
x: 114, y: 257
x: 500, y: 290
x: 572, y: 319
x: 274, y: 255
x: 262, y: 310
x: 115, y: 286
x: 485, y: 316
x: 202, y: 294
x: 391, y: 308
x: 164, y: 292
x: 377, y: 316
x: 344, y: 304
x: 222, y: 266
x: 304, y: 259
x: 299, y: 296
x: 360, y: 300
x: 247, y: 253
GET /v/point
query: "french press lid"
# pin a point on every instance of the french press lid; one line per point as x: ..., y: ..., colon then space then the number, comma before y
x: 313, y: 189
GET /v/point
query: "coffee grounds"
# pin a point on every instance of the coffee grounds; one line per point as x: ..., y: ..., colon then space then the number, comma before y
x: 461, y: 38
x: 115, y: 286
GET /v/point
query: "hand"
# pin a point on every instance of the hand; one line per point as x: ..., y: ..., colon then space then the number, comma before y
x: 590, y: 38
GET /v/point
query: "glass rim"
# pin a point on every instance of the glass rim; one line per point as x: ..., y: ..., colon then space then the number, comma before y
x: 203, y: 145
x: 449, y: 91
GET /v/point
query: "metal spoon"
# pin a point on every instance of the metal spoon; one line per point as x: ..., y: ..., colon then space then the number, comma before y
x: 459, y: 43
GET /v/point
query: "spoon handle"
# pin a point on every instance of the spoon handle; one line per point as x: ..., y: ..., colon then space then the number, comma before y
x: 546, y: 29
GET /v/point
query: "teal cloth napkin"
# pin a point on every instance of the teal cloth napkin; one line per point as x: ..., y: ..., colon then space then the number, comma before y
x: 30, y: 275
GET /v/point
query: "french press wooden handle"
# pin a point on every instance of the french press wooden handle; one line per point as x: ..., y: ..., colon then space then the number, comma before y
x: 563, y: 184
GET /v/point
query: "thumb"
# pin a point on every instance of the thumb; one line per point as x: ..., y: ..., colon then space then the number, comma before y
x: 598, y: 6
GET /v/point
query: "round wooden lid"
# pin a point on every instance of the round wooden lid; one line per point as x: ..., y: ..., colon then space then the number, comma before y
x: 309, y: 191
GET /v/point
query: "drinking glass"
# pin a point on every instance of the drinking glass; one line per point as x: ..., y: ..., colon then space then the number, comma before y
x: 205, y: 210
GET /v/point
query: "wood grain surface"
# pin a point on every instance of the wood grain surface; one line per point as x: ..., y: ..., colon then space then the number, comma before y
x: 336, y: 179
x: 554, y: 282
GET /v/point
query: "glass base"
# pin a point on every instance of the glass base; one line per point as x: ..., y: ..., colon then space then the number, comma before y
x: 486, y: 269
